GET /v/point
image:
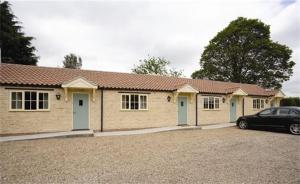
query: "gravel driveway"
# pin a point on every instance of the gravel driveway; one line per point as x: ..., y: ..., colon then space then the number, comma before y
x: 227, y: 155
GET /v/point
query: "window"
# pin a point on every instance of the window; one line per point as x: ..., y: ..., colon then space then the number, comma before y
x: 43, y: 100
x: 217, y: 103
x: 143, y: 102
x: 258, y: 103
x: 125, y: 101
x: 134, y: 102
x: 254, y: 104
x: 267, y: 112
x: 294, y: 112
x: 16, y: 100
x: 283, y: 112
x: 262, y: 104
x: 211, y: 103
x: 29, y: 100
x: 205, y: 103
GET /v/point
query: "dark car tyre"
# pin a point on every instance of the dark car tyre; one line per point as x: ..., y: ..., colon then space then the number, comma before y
x: 243, y: 124
x: 295, y: 129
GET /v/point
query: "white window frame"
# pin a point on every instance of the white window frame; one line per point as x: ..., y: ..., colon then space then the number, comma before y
x: 146, y: 103
x: 214, y: 102
x: 258, y: 103
x: 10, y: 100
x: 139, y: 104
x: 23, y: 100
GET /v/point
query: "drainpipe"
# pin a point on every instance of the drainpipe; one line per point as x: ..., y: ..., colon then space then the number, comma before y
x: 101, y: 119
x: 243, y: 106
x: 196, y: 109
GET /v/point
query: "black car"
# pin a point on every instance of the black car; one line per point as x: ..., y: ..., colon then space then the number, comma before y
x: 285, y: 117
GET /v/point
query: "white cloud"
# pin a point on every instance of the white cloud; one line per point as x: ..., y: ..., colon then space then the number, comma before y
x: 114, y: 35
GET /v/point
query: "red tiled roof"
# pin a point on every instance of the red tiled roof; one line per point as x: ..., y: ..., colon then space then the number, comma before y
x: 11, y: 74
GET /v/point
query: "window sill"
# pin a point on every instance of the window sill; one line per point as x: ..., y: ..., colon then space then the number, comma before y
x: 211, y: 109
x: 258, y: 109
x: 12, y: 110
x: 130, y: 110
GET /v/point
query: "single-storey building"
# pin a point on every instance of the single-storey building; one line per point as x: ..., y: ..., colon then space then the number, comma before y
x: 44, y: 99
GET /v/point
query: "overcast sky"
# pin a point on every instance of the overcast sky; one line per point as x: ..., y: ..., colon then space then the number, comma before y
x: 115, y: 35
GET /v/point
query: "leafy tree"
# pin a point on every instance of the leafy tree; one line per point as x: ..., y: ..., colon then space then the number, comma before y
x: 243, y: 52
x: 156, y: 66
x: 72, y: 61
x: 291, y: 101
x: 15, y: 46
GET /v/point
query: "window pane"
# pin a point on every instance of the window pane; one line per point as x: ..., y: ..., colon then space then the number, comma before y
x: 27, y: 95
x: 33, y: 105
x: 294, y: 112
x: 268, y: 112
x: 27, y: 105
x: 143, y: 102
x: 46, y: 104
x: 33, y: 95
x: 258, y: 103
x: 13, y: 104
x: 216, y: 103
x: 45, y: 96
x: 41, y: 105
x: 254, y: 104
x: 284, y: 111
x: 262, y: 104
x: 134, y: 104
x: 125, y: 101
x: 19, y: 104
x: 205, y: 103
x: 41, y: 96
x: 19, y: 95
x: 211, y: 102
x: 13, y: 95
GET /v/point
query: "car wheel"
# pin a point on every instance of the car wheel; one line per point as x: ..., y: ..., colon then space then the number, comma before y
x: 295, y: 129
x: 243, y: 124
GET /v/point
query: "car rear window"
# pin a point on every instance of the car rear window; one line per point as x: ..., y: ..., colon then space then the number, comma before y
x: 293, y: 112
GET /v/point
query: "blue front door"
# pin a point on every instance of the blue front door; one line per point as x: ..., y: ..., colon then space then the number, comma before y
x: 233, y: 109
x: 182, y: 110
x: 80, y: 111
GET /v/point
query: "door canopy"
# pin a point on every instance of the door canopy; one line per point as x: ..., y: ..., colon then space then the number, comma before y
x: 236, y: 92
x: 79, y: 83
x: 186, y: 89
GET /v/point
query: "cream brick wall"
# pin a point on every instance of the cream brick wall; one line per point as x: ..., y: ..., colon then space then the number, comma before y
x: 249, y: 110
x: 59, y: 118
x: 223, y: 114
x: 160, y: 112
x: 212, y: 116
